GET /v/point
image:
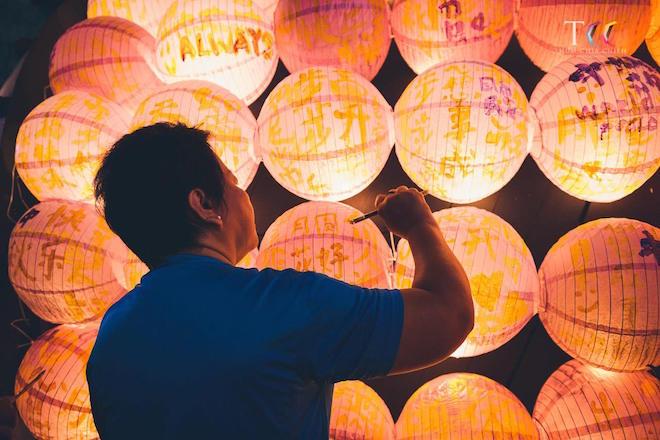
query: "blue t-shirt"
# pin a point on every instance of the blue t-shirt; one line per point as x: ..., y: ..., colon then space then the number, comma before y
x: 202, y: 349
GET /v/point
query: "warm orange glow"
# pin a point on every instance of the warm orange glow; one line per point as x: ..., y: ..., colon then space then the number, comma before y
x: 653, y: 34
x: 145, y: 13
x: 358, y: 412
x: 249, y: 261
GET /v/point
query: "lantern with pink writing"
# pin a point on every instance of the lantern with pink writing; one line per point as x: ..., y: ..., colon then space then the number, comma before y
x: 358, y: 412
x: 146, y: 13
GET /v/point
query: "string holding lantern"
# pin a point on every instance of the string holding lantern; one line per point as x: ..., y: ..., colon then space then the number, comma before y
x: 317, y: 236
x: 325, y: 133
x: 358, y: 412
x: 499, y: 266
x: 145, y: 13
x: 351, y: 35
x: 428, y: 33
x: 61, y: 142
x: 579, y: 401
x: 205, y: 105
x: 464, y: 406
x: 110, y: 56
x: 232, y: 45
x: 599, y: 294
x: 461, y: 130
x: 52, y: 395
x: 552, y: 31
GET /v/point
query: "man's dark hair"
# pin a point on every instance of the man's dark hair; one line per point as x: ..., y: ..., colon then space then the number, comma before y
x: 143, y: 185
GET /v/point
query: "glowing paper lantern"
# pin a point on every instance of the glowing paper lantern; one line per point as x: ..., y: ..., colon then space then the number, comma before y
x: 499, y: 266
x: 65, y: 263
x: 134, y: 270
x: 108, y: 55
x: 464, y: 406
x: 653, y: 34
x: 325, y: 133
x: 552, y: 31
x: 146, y: 13
x: 461, y: 130
x: 358, y: 412
x: 579, y: 401
x: 431, y: 32
x: 268, y: 6
x: 61, y: 142
x: 54, y: 403
x: 352, y: 35
x: 230, y: 43
x: 598, y: 122
x: 600, y: 297
x: 209, y: 107
x: 317, y: 236
x: 249, y: 261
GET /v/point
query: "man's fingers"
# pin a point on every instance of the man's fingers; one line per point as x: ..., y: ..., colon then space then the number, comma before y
x: 379, y: 200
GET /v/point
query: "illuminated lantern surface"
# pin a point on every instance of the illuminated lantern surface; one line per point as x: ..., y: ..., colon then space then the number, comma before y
x: 61, y: 143
x: 461, y: 130
x: 499, y: 266
x: 56, y: 405
x: 600, y: 294
x: 65, y: 263
x: 653, y: 35
x: 146, y: 13
x: 317, y: 236
x: 230, y: 43
x: 134, y: 270
x: 108, y: 55
x: 249, y: 261
x: 268, y: 6
x: 599, y: 127
x: 358, y: 412
x: 210, y: 107
x: 464, y: 406
x: 552, y: 31
x: 352, y: 35
x: 325, y: 133
x: 579, y: 401
x: 430, y: 32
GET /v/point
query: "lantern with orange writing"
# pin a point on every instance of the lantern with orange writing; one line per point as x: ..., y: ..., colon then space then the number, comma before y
x: 210, y: 107
x: 358, y: 412
x: 325, y: 133
x: 600, y: 295
x: 230, y: 43
x: 51, y: 386
x: 500, y: 268
x: 461, y: 130
x: 146, y: 13
x: 317, y: 236
x: 249, y: 261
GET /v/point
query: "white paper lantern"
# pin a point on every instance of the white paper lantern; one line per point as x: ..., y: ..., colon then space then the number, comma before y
x: 145, y: 13
x: 358, y: 412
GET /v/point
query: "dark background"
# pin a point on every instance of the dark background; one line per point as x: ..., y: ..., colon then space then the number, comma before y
x: 540, y: 212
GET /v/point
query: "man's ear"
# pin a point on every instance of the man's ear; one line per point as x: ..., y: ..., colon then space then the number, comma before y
x: 203, y: 207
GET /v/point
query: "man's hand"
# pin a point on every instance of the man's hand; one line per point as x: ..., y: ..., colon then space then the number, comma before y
x: 403, y: 209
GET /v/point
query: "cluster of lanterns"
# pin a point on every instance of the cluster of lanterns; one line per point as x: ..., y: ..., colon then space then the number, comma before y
x: 462, y: 129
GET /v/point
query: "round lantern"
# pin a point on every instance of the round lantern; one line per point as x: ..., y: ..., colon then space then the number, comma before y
x: 358, y: 412
x: 598, y: 122
x: 109, y: 55
x: 579, y: 401
x: 210, y: 107
x: 146, y: 13
x: 653, y: 34
x: 552, y: 31
x: 249, y: 261
x: 325, y: 133
x: 54, y: 396
x: 464, y: 406
x: 500, y: 268
x: 65, y: 263
x: 134, y: 270
x: 226, y: 42
x: 317, y: 236
x: 600, y: 297
x: 352, y: 35
x: 431, y: 32
x: 461, y: 130
x: 61, y: 143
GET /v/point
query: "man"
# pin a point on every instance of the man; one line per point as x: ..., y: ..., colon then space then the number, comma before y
x: 202, y: 349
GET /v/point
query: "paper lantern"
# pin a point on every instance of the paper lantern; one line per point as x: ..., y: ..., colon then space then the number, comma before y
x: 249, y: 261
x: 268, y: 6
x: 61, y: 143
x: 65, y: 263
x: 325, y: 133
x: 134, y: 270
x: 146, y: 13
x: 600, y: 297
x: 352, y: 35
x: 108, y: 55
x: 226, y: 42
x: 461, y: 130
x: 54, y: 403
x: 358, y: 412
x: 431, y: 32
x: 598, y: 122
x: 583, y: 402
x: 210, y: 107
x: 653, y: 34
x: 464, y: 406
x: 500, y: 268
x: 317, y: 236
x: 552, y: 31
